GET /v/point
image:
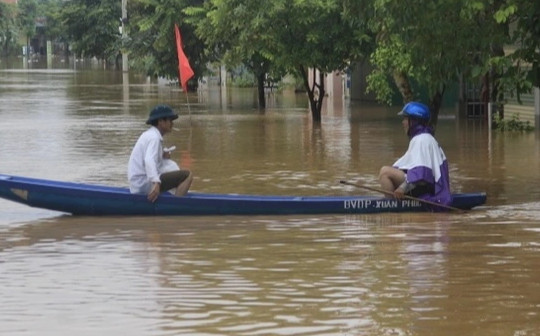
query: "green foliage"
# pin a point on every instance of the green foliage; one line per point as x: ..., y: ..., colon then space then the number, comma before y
x: 515, y: 80
x: 504, y: 14
x: 440, y: 42
x: 379, y: 83
x: 27, y: 14
x: 513, y: 124
x: 242, y: 78
x: 280, y: 36
x: 432, y: 44
x: 235, y: 32
x: 52, y: 11
x: 316, y: 34
x: 152, y: 42
x: 522, y: 68
x: 414, y: 39
x: 93, y: 27
x: 8, y: 28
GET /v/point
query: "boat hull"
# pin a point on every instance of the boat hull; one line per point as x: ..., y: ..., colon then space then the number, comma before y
x: 97, y: 200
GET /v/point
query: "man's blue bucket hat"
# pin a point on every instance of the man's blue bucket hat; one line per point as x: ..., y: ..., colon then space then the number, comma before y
x: 161, y: 111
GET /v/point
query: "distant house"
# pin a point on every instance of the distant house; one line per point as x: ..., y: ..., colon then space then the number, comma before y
x: 527, y: 110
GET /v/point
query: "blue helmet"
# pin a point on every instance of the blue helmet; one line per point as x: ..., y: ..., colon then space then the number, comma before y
x: 415, y: 110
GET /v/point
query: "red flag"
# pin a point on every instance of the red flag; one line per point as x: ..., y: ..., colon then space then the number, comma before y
x: 184, y: 69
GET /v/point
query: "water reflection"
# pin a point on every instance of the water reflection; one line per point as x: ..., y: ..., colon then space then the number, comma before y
x: 243, y: 276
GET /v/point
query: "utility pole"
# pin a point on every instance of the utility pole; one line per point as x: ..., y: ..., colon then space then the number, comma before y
x: 537, y: 107
x: 125, y: 66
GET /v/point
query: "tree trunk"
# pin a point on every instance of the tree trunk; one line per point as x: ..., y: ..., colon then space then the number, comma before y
x: 66, y: 52
x: 322, y: 92
x: 497, y: 96
x: 315, y: 93
x: 117, y: 63
x: 404, y: 86
x: 260, y: 90
x: 435, y: 106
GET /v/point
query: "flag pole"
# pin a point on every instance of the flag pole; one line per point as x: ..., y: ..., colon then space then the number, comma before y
x: 185, y: 72
x: 188, y: 107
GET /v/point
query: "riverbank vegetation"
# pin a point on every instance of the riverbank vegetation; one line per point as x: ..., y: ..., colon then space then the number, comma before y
x: 513, y: 124
x: 410, y: 46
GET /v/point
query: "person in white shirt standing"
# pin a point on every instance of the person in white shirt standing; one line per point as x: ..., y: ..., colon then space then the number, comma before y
x: 150, y: 170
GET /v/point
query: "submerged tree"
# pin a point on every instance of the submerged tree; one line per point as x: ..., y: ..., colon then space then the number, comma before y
x: 54, y: 30
x: 431, y: 45
x: 315, y: 35
x: 8, y: 28
x: 235, y: 32
x: 304, y: 37
x: 27, y: 14
x: 520, y: 66
x: 92, y: 27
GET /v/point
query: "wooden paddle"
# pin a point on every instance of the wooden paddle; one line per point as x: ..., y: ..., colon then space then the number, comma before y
x: 389, y: 193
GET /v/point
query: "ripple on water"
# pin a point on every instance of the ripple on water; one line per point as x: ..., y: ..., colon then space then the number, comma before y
x: 514, y: 213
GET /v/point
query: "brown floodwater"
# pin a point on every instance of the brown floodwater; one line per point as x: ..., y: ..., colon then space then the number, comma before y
x: 476, y: 273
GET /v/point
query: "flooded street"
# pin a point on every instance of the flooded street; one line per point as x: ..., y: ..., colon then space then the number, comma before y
x: 389, y: 274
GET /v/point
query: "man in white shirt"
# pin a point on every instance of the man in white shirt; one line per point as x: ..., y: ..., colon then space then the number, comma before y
x: 150, y: 170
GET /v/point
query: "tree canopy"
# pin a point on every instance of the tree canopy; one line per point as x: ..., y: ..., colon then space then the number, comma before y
x: 152, y: 39
x: 432, y: 45
x: 8, y: 28
x: 315, y: 34
x: 521, y: 65
x: 27, y: 14
x: 283, y: 35
x: 411, y: 45
x: 235, y: 32
x: 92, y: 27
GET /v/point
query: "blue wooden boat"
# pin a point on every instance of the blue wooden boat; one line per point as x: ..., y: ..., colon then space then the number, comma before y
x: 97, y: 200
